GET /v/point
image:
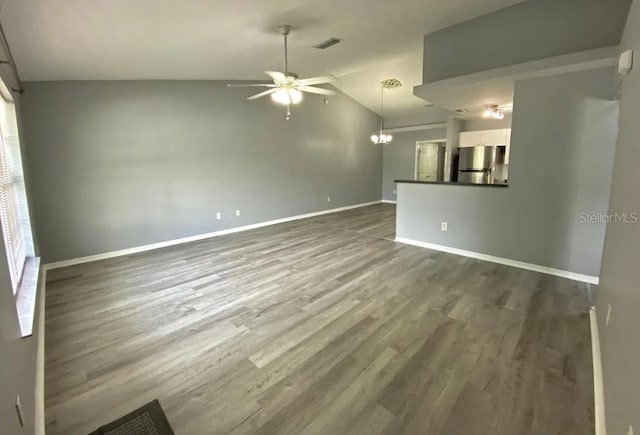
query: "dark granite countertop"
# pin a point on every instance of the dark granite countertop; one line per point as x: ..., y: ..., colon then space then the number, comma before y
x: 452, y: 183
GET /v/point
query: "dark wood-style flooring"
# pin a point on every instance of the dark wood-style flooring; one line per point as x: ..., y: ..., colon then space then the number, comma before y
x: 318, y: 326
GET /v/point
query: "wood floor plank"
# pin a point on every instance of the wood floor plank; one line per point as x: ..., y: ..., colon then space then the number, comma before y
x: 322, y: 325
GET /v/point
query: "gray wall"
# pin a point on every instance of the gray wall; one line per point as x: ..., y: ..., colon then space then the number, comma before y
x: 400, y: 158
x: 530, y: 30
x: 563, y: 135
x: 17, y: 360
x: 430, y: 115
x: 479, y: 124
x: 620, y: 278
x: 121, y: 164
x: 17, y: 354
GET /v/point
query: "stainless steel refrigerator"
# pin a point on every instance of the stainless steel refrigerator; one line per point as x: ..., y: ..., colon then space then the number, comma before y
x: 477, y: 165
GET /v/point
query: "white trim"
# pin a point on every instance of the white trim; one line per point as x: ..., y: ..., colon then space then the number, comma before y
x: 386, y: 201
x: 5, y: 93
x: 598, y: 386
x: 415, y: 160
x: 442, y: 92
x: 565, y: 63
x: 39, y: 424
x: 195, y: 238
x: 506, y: 261
x: 415, y: 128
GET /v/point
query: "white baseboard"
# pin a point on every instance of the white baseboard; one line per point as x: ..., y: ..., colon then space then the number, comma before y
x: 386, y: 201
x: 506, y: 261
x: 598, y: 386
x: 137, y: 249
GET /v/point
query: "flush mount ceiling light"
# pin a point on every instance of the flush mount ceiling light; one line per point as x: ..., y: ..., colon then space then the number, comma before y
x: 287, y: 88
x: 382, y: 138
x: 492, y: 111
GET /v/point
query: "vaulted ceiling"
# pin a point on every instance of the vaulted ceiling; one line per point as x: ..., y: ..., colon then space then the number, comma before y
x: 209, y: 39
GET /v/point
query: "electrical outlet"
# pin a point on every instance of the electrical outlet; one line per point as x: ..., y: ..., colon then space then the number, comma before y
x: 218, y: 215
x: 237, y: 212
x: 444, y: 226
x: 328, y: 199
x: 19, y: 411
x: 630, y: 430
x: 608, y: 315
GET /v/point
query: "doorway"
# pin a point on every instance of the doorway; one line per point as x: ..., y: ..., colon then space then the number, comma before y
x: 429, y: 162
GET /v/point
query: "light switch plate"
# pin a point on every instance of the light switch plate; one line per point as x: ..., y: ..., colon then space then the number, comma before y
x: 218, y: 215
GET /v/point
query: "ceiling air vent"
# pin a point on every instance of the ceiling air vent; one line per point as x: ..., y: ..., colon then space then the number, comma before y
x: 328, y: 43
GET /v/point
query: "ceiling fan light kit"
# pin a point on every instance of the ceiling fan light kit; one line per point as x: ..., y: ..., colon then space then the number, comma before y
x: 287, y: 96
x: 381, y: 138
x: 287, y: 88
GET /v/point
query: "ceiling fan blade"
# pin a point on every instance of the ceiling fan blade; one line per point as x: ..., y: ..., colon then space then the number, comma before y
x: 314, y: 90
x: 277, y: 76
x: 316, y: 80
x: 262, y: 94
x: 249, y: 85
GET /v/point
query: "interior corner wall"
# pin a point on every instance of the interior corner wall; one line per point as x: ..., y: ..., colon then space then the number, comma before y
x: 121, y: 164
x: 619, y: 288
x: 400, y: 158
x: 562, y: 148
x: 526, y: 31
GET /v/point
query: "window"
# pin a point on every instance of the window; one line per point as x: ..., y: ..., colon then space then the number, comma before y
x: 14, y: 213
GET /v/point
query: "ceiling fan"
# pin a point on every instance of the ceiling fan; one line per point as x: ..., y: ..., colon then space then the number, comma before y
x: 287, y: 88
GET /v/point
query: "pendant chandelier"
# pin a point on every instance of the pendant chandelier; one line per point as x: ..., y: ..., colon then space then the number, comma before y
x: 493, y: 111
x: 382, y: 138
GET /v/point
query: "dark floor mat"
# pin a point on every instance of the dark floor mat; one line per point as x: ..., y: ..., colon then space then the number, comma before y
x: 147, y: 420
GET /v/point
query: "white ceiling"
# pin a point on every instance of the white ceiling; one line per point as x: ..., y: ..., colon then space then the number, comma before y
x: 212, y: 39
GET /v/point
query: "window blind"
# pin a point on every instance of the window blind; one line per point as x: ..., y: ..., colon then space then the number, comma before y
x: 14, y: 215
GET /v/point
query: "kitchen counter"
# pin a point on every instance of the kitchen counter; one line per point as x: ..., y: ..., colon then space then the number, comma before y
x: 452, y: 183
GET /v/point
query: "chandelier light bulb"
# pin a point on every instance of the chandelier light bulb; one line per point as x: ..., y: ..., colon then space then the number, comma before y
x: 381, y: 139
